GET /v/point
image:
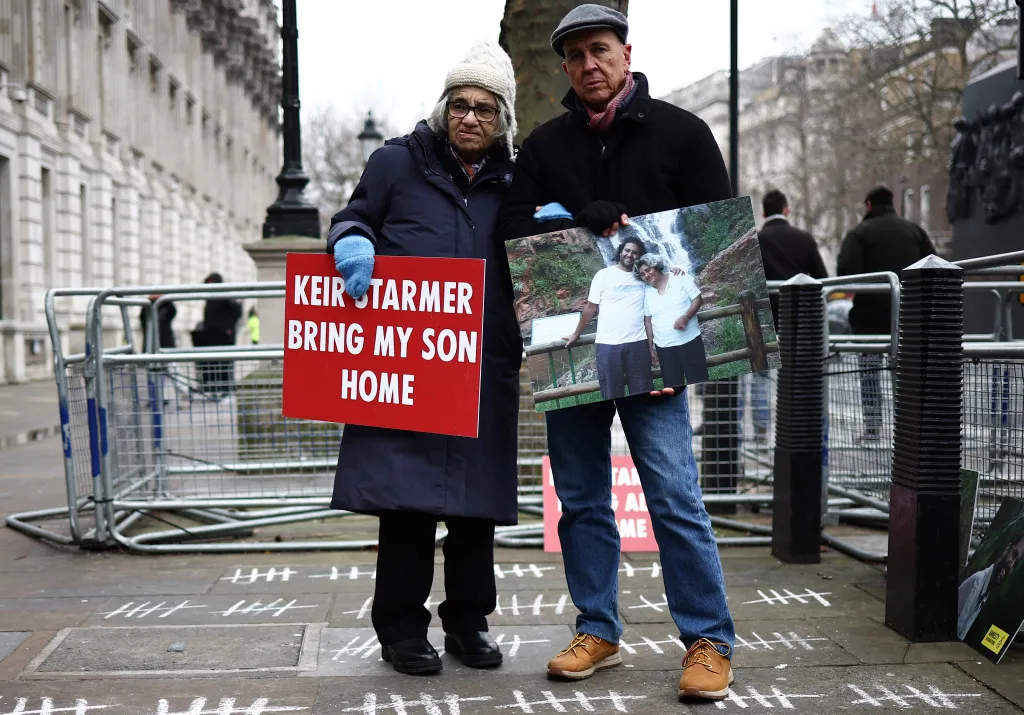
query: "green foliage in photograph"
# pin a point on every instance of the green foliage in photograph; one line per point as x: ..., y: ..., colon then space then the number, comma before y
x: 714, y: 227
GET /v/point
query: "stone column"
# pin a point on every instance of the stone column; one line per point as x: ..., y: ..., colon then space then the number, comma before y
x: 796, y: 505
x: 269, y: 256
x: 923, y: 566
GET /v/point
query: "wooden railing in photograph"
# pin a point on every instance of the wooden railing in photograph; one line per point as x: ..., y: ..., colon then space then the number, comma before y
x: 756, y: 350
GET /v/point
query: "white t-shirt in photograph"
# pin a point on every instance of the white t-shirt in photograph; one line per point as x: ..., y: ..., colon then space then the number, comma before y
x: 665, y: 308
x: 620, y: 297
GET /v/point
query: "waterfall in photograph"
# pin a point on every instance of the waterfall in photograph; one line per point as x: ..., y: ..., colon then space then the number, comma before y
x: 659, y: 234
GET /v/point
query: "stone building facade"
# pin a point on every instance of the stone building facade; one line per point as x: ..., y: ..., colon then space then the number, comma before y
x: 139, y: 142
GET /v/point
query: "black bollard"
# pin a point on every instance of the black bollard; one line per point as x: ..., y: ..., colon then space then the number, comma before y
x: 923, y: 565
x: 797, y: 499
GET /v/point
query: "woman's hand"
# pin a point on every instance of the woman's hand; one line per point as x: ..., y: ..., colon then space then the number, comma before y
x: 353, y: 257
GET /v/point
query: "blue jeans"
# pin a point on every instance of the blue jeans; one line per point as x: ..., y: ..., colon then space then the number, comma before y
x: 660, y: 438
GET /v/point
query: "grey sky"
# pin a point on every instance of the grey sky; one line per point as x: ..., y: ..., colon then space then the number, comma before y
x: 391, y: 56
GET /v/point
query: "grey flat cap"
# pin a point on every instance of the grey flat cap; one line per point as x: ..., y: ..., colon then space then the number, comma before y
x: 589, y: 17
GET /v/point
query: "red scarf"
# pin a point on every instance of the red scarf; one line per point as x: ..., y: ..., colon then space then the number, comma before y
x: 602, y: 121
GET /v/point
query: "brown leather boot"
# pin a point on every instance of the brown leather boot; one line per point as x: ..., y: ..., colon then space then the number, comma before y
x: 706, y: 672
x: 584, y: 656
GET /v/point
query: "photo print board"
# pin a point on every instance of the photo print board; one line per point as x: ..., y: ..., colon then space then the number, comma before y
x: 674, y: 298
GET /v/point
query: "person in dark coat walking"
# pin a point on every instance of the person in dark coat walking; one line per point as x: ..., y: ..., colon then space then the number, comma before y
x: 882, y: 241
x: 436, y: 193
x: 786, y: 251
x: 220, y: 319
x: 165, y: 316
x: 618, y: 152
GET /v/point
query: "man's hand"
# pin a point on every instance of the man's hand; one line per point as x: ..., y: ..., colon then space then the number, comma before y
x: 666, y: 392
x: 602, y: 217
x: 570, y: 339
x: 551, y: 212
x: 681, y: 322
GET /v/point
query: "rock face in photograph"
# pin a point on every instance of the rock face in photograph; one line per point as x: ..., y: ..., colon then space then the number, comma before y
x: 551, y: 273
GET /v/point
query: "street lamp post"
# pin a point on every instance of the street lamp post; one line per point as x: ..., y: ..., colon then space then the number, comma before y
x: 292, y: 214
x: 370, y: 139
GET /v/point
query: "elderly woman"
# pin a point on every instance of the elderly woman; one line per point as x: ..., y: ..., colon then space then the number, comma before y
x: 671, y: 302
x: 436, y: 193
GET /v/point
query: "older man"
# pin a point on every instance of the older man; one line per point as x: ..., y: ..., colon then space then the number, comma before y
x: 436, y: 192
x: 615, y: 152
x: 671, y: 303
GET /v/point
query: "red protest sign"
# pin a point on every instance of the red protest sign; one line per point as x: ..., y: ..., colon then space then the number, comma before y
x: 405, y: 356
x: 631, y: 517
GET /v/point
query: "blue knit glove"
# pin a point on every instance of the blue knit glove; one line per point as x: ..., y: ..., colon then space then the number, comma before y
x: 551, y: 212
x: 353, y: 257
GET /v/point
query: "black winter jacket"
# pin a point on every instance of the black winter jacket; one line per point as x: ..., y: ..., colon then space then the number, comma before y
x: 656, y: 157
x: 787, y: 251
x: 883, y: 241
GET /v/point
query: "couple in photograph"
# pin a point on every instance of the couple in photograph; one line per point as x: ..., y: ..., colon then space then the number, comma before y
x: 646, y: 317
x: 456, y: 187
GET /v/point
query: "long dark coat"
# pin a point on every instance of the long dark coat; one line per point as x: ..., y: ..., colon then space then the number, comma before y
x: 408, y: 204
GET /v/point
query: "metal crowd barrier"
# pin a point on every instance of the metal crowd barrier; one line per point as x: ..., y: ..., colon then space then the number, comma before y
x: 154, y: 438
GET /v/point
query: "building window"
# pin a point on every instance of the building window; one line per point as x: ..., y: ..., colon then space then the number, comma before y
x: 154, y: 76
x: 190, y: 110
x: 908, y: 204
x: 172, y: 94
x: 926, y: 207
x: 83, y: 234
x: 115, y: 240
x: 49, y: 242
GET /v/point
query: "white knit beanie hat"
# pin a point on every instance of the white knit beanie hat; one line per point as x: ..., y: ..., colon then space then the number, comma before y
x: 488, y: 66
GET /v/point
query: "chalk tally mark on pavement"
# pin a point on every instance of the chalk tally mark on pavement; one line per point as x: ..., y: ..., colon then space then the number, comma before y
x: 908, y: 696
x: 367, y: 647
x: 505, y: 605
x: 790, y: 641
x: 244, y: 575
x: 198, y: 706
x: 163, y: 609
x: 787, y: 598
x: 765, y: 700
x: 451, y: 703
x: 654, y: 645
x: 660, y: 606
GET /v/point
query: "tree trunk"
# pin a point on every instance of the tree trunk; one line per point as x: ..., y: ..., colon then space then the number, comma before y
x: 526, y: 31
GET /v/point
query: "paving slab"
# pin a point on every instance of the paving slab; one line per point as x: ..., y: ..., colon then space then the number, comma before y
x: 525, y: 608
x: 10, y: 640
x: 143, y: 579
x: 45, y: 613
x: 211, y: 610
x: 167, y: 697
x: 866, y: 639
x: 356, y: 651
x: 185, y: 650
x: 1007, y: 678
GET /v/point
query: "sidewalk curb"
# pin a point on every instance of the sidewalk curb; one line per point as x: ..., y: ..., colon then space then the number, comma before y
x: 30, y: 435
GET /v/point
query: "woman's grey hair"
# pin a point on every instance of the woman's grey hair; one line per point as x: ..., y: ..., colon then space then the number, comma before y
x: 438, y: 120
x: 649, y: 259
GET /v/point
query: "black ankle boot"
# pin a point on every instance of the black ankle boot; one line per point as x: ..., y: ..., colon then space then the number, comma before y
x: 475, y: 649
x: 412, y: 656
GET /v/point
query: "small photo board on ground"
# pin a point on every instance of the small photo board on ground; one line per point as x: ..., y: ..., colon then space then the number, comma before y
x: 990, y: 608
x: 673, y: 298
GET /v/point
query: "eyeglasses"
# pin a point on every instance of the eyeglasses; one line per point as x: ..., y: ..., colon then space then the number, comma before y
x: 484, y: 112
